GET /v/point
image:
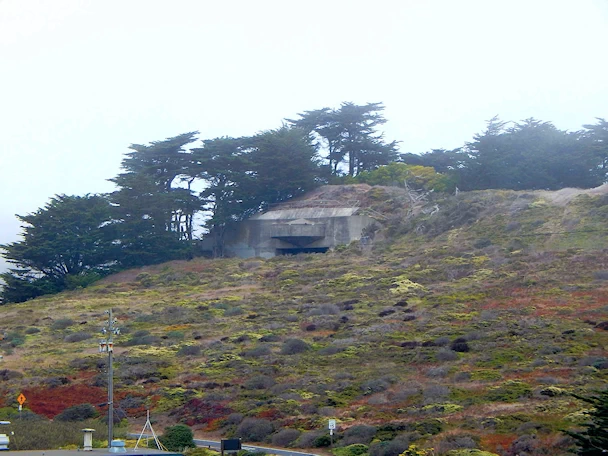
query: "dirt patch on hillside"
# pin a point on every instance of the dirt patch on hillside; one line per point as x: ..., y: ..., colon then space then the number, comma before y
x: 355, y: 195
x: 329, y: 196
x: 565, y: 195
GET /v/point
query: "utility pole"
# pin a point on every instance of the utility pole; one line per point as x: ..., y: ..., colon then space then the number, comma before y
x: 107, y: 346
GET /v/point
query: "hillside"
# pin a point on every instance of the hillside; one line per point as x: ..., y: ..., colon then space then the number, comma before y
x: 463, y: 321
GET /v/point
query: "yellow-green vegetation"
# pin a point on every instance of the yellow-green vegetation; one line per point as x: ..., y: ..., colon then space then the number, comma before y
x: 481, y: 317
x: 406, y: 286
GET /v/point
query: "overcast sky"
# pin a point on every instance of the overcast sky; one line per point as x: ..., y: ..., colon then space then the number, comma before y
x: 82, y: 79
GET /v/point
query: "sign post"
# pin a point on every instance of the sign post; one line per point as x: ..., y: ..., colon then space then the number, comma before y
x: 332, y: 427
x: 21, y: 399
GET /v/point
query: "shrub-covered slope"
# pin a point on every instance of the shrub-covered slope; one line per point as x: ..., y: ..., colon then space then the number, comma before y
x: 462, y: 322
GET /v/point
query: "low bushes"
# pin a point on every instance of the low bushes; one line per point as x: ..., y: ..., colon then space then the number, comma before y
x: 294, y: 346
x: 254, y: 429
x: 77, y: 413
x: 286, y: 437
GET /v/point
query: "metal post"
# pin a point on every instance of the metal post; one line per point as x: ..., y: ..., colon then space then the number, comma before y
x: 108, y: 346
x: 110, y: 388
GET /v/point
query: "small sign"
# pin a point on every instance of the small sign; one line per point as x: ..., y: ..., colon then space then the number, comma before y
x: 230, y: 445
x: 21, y: 399
x: 332, y: 424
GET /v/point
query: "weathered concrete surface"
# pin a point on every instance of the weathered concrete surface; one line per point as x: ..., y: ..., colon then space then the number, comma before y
x: 290, y: 230
x: 310, y: 213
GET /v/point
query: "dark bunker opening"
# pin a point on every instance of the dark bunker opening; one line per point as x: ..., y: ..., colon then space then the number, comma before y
x: 295, y: 251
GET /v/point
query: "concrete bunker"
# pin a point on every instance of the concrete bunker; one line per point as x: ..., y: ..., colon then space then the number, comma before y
x: 290, y: 229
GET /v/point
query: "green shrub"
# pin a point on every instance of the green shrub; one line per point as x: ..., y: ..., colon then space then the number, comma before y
x: 177, y: 437
x: 142, y: 337
x: 62, y: 323
x: 77, y: 413
x: 431, y: 427
x: 388, y: 448
x: 510, y: 423
x: 356, y: 449
x: 293, y: 346
x: 509, y: 391
x: 176, y: 335
x: 14, y: 339
x: 257, y: 351
x: 77, y: 336
x: 322, y: 441
x: 360, y: 433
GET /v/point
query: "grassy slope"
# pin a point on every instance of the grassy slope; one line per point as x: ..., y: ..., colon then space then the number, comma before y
x: 379, y: 321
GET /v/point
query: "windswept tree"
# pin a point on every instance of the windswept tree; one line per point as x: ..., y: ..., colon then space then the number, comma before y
x: 525, y: 155
x: 67, y: 243
x: 154, y: 206
x: 530, y: 154
x: 284, y: 164
x: 349, y: 136
x: 154, y: 172
x: 223, y: 165
x: 596, y: 137
x: 141, y: 214
x: 489, y: 164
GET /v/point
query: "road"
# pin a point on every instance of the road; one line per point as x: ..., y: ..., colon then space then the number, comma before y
x: 216, y: 446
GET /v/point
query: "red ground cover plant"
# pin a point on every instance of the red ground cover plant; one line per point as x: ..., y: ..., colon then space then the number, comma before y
x: 497, y: 442
x: 271, y: 414
x: 52, y: 401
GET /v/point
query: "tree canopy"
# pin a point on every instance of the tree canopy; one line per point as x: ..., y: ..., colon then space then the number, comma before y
x: 416, y: 177
x: 64, y: 244
x: 527, y: 155
x: 349, y: 134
